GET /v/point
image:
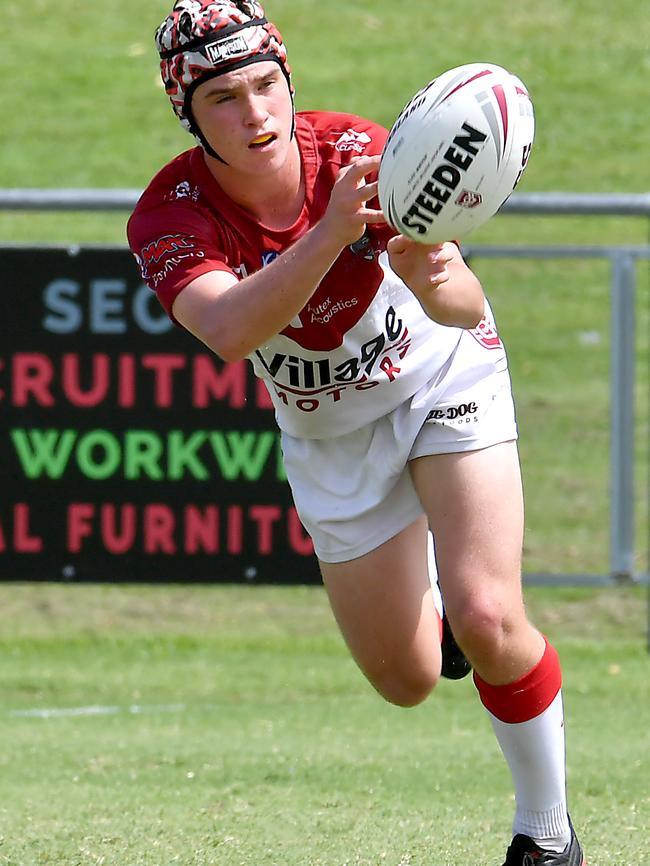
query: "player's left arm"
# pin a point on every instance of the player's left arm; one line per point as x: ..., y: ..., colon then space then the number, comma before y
x: 450, y: 293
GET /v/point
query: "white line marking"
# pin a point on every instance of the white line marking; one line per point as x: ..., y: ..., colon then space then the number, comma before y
x: 94, y: 710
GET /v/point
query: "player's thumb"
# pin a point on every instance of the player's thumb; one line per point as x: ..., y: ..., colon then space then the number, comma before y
x: 398, y: 245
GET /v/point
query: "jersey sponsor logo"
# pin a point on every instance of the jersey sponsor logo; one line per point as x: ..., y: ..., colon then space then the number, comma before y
x: 160, y: 257
x: 461, y: 413
x: 351, y: 140
x: 486, y: 334
x: 165, y: 246
x: 307, y: 383
x: 321, y: 314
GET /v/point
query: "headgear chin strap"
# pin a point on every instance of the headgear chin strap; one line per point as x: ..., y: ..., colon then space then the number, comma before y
x: 201, y: 39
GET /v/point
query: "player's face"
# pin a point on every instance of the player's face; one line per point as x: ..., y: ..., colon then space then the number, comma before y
x: 246, y: 116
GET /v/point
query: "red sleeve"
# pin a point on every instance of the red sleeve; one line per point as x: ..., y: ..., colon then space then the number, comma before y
x: 173, y: 244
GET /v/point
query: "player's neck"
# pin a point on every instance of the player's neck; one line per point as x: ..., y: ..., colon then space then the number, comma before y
x: 275, y: 200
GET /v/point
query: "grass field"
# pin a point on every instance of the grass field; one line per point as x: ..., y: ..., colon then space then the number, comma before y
x: 227, y: 726
x: 224, y: 726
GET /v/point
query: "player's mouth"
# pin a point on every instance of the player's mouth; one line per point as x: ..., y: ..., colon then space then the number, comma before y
x: 261, y: 141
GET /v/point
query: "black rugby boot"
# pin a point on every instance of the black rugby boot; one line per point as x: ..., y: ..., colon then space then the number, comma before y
x: 454, y: 663
x: 524, y: 852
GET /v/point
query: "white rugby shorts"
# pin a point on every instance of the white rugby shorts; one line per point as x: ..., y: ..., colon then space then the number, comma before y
x: 354, y: 492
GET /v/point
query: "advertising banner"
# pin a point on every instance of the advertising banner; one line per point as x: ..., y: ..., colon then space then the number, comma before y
x: 129, y: 452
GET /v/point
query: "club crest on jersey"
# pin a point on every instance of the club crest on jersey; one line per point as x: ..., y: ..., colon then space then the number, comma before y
x: 351, y: 140
x: 184, y: 190
x: 486, y: 334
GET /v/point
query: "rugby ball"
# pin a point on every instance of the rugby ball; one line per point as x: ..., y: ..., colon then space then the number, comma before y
x: 456, y: 152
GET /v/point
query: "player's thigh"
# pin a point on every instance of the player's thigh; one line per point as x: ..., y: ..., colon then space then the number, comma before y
x: 384, y: 606
x: 474, y: 503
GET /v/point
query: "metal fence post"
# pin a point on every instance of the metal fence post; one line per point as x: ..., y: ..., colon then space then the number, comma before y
x: 622, y: 415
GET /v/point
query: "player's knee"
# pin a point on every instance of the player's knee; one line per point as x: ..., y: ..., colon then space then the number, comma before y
x: 405, y: 688
x: 484, y: 625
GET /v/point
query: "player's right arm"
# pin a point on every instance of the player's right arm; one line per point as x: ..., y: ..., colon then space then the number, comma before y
x: 234, y: 317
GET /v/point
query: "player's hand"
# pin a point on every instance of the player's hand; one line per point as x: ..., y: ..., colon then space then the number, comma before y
x: 347, y: 213
x: 439, y: 278
x: 421, y: 266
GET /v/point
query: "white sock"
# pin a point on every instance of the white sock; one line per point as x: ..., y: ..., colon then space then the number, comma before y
x: 535, y: 753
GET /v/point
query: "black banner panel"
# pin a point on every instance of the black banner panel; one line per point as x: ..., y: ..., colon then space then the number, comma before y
x: 128, y: 451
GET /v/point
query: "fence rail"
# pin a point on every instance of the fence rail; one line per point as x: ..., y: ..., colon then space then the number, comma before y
x: 596, y: 204
x: 623, y: 261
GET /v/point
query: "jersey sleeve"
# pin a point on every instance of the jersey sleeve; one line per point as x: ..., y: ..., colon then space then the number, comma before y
x: 174, y: 244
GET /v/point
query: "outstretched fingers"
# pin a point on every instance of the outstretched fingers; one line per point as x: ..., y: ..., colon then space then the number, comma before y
x: 367, y: 192
x: 348, y: 211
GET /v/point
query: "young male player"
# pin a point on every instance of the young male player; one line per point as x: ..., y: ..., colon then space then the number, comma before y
x: 388, y: 378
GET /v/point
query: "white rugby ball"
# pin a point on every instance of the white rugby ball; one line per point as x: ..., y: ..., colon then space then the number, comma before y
x: 456, y: 152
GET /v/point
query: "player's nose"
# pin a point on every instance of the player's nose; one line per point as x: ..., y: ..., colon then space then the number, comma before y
x: 254, y: 111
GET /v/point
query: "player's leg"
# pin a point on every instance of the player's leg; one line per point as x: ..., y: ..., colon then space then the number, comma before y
x: 475, y: 507
x: 383, y: 604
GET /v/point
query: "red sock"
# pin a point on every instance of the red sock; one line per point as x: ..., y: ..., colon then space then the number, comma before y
x: 526, y: 697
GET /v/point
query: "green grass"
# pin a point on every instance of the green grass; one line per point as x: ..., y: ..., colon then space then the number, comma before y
x: 92, y: 110
x: 92, y: 113
x: 257, y: 740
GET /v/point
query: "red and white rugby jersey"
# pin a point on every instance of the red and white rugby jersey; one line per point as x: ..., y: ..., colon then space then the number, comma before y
x: 360, y: 346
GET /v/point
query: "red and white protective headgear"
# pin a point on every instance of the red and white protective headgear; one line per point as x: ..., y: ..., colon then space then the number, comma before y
x: 201, y: 39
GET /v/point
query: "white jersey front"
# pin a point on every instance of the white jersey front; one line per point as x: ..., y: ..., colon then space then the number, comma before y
x: 384, y: 358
